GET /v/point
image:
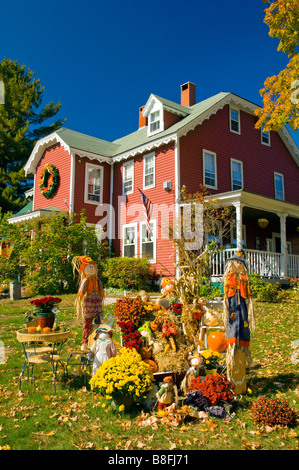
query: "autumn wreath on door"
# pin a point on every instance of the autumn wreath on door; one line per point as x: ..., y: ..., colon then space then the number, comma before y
x: 49, y: 180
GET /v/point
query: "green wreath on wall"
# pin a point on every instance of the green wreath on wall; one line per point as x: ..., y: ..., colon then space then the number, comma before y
x: 49, y: 180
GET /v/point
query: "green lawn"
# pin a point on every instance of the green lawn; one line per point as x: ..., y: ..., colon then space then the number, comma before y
x: 76, y: 418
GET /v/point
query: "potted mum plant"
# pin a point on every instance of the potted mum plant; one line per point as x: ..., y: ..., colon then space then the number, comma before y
x: 45, y: 310
x: 211, y: 361
x: 126, y: 379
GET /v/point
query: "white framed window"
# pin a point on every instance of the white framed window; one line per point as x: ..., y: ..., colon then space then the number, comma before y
x: 130, y: 240
x: 209, y: 169
x: 236, y: 174
x: 215, y: 234
x: 234, y: 118
x: 128, y: 177
x: 155, y: 121
x: 149, y: 171
x: 148, y: 241
x: 93, y: 184
x: 265, y: 137
x: 279, y: 186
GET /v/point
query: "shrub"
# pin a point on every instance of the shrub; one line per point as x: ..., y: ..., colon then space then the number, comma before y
x: 126, y: 273
x: 272, y: 411
x: 265, y: 291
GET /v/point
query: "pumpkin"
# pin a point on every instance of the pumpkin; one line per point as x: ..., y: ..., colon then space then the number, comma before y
x: 152, y: 364
x: 216, y: 341
x: 145, y: 353
x: 46, y: 329
x: 31, y: 329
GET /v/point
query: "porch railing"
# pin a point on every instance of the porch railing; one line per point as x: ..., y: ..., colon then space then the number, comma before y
x: 264, y: 263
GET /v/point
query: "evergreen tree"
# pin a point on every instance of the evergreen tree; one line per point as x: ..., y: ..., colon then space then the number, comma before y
x: 21, y: 124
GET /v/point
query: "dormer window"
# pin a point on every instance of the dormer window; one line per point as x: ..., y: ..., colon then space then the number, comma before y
x: 155, y: 121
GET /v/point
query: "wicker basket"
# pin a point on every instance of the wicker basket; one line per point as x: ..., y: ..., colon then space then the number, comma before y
x: 53, y: 337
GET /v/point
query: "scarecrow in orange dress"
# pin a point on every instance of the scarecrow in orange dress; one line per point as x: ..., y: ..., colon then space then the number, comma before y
x: 90, y: 295
x: 167, y: 394
x: 238, y: 316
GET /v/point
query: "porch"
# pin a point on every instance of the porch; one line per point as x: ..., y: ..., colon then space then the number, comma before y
x: 266, y: 264
x: 272, y: 249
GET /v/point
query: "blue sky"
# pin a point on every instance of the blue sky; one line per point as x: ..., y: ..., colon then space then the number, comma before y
x: 102, y: 60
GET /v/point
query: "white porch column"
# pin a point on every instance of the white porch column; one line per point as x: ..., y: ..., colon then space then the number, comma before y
x: 239, y: 223
x: 283, y: 243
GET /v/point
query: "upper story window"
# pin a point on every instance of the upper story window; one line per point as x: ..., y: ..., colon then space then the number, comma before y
x: 235, y: 120
x: 154, y: 120
x: 236, y: 174
x: 209, y: 169
x: 279, y: 186
x: 93, y: 184
x: 128, y: 177
x: 265, y: 137
x: 149, y: 171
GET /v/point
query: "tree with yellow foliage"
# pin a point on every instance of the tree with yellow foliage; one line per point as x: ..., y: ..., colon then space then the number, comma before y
x: 281, y: 93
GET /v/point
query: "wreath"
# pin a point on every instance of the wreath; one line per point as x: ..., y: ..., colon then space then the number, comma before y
x: 49, y: 180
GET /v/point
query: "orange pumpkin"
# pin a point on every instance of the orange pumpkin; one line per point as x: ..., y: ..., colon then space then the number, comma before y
x: 31, y: 329
x: 216, y: 341
x: 46, y: 329
x: 145, y: 353
x: 152, y: 364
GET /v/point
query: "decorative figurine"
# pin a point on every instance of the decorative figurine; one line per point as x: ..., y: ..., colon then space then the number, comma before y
x: 167, y: 394
x: 103, y: 347
x: 196, y: 362
x: 238, y: 317
x: 90, y: 294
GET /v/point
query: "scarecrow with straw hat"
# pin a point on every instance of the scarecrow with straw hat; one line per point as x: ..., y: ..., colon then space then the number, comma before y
x: 238, y: 315
x: 90, y: 295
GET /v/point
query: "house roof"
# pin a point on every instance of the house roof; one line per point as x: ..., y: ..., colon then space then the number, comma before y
x: 27, y: 213
x: 139, y: 141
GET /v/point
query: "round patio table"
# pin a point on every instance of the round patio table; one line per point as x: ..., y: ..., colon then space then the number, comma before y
x: 41, y: 348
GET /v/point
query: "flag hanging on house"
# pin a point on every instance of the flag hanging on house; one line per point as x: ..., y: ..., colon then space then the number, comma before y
x: 147, y: 208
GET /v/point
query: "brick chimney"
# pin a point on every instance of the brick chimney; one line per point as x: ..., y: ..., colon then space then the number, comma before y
x: 188, y: 94
x: 142, y: 119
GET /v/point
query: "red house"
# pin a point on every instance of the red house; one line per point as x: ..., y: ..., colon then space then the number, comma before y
x: 214, y: 143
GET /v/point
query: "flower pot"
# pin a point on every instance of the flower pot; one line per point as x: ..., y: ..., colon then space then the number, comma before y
x: 45, y: 319
x: 210, y: 371
x: 126, y: 401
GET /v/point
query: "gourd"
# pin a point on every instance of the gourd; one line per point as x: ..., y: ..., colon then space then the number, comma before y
x: 154, y: 326
x: 31, y: 329
x: 152, y: 364
x: 46, y: 329
x: 216, y: 341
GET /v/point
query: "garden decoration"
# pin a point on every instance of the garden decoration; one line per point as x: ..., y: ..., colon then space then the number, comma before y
x: 6, y: 247
x: 103, y: 348
x: 167, y: 290
x: 49, y: 180
x: 45, y: 310
x: 196, y: 363
x: 211, y: 360
x: 90, y: 295
x: 167, y: 394
x: 125, y: 378
x: 238, y: 317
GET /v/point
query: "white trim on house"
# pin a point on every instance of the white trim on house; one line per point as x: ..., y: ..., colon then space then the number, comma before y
x: 152, y: 107
x: 33, y: 214
x: 72, y: 183
x: 97, y: 167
